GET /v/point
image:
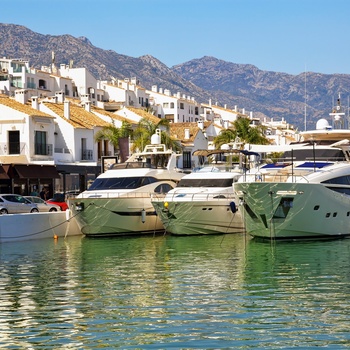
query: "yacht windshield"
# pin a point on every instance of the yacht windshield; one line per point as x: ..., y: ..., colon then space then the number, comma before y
x: 319, y: 154
x: 120, y: 183
x: 205, y: 183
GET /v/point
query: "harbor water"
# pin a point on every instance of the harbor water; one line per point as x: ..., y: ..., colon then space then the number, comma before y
x: 164, y: 292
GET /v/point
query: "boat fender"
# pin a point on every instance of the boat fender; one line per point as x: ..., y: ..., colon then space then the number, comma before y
x: 67, y: 214
x: 233, y: 207
x: 143, y: 215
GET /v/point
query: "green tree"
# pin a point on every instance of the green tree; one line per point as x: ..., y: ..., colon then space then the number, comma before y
x: 113, y: 134
x: 248, y: 133
x: 225, y: 136
x: 243, y: 130
x: 146, y: 128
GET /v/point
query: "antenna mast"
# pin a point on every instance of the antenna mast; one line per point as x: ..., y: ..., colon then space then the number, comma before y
x: 305, y: 102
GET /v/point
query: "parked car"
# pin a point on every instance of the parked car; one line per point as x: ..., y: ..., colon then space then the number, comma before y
x: 58, y: 199
x: 15, y: 204
x: 42, y: 205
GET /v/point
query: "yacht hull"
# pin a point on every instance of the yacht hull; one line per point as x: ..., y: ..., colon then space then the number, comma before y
x: 133, y: 215
x: 198, y: 217
x: 294, y: 210
x: 29, y: 226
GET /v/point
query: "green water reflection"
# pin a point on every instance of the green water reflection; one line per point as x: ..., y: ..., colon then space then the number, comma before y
x: 174, y: 292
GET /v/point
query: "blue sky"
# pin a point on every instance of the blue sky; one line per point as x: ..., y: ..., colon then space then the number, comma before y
x: 291, y: 36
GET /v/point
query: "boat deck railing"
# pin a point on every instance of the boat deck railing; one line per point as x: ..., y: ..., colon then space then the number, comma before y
x: 275, y: 177
x: 193, y: 197
x: 114, y: 194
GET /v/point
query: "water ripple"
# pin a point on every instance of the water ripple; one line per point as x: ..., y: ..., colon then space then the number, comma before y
x: 174, y: 292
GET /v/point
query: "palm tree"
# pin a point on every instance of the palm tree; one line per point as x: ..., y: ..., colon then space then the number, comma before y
x: 225, y: 136
x: 146, y: 128
x: 114, y: 135
x: 243, y: 130
x: 248, y: 133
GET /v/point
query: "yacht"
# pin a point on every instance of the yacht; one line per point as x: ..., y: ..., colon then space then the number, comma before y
x: 308, y: 203
x: 306, y: 193
x: 202, y: 203
x: 118, y: 202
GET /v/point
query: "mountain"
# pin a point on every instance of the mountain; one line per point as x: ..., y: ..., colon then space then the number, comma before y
x: 273, y: 94
x: 267, y: 94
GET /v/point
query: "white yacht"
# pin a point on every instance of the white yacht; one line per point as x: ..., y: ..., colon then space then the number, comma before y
x: 202, y: 203
x: 119, y: 201
x: 313, y: 204
x: 306, y: 194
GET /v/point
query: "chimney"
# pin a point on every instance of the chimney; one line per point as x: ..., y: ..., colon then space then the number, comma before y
x: 210, y: 102
x: 154, y: 88
x: 187, y: 134
x: 60, y: 96
x: 35, y: 102
x: 88, y: 106
x: 201, y: 124
x: 21, y: 96
x: 66, y: 110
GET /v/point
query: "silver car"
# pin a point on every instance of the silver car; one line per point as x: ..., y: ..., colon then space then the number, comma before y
x: 42, y: 205
x: 14, y: 204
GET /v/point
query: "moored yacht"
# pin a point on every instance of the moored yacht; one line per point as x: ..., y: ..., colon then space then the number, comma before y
x: 306, y: 193
x: 315, y: 204
x: 119, y: 201
x: 202, y: 203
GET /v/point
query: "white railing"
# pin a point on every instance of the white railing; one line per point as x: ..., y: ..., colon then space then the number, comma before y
x: 189, y: 197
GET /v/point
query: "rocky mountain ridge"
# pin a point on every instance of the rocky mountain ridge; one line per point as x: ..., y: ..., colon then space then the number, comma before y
x: 267, y: 94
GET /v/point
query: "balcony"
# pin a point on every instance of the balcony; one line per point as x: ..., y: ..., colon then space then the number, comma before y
x: 12, y: 148
x: 87, y: 154
x: 43, y: 149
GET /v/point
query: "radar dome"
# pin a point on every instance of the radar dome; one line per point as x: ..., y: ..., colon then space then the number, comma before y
x: 225, y: 147
x: 155, y: 139
x: 322, y: 124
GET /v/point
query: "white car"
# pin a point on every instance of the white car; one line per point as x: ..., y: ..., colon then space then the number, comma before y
x: 16, y: 204
x: 42, y: 205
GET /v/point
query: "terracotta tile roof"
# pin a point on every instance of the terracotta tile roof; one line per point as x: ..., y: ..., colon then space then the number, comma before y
x: 20, y: 107
x: 177, y: 131
x: 79, y: 117
x: 111, y: 115
x: 221, y: 108
x: 143, y: 114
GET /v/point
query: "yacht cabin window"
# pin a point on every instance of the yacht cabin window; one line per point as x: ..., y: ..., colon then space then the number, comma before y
x: 121, y: 183
x: 205, y: 182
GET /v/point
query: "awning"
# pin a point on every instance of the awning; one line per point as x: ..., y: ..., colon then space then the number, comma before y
x: 78, y: 169
x: 34, y: 171
x: 207, y: 153
x: 3, y: 174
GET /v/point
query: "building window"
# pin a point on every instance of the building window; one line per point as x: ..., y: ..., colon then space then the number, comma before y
x: 171, y: 104
x: 182, y: 105
x: 165, y: 105
x: 40, y: 145
x: 14, y: 144
x: 186, y: 160
x: 42, y: 84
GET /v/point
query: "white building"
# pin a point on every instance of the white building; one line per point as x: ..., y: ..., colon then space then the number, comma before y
x: 177, y: 108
